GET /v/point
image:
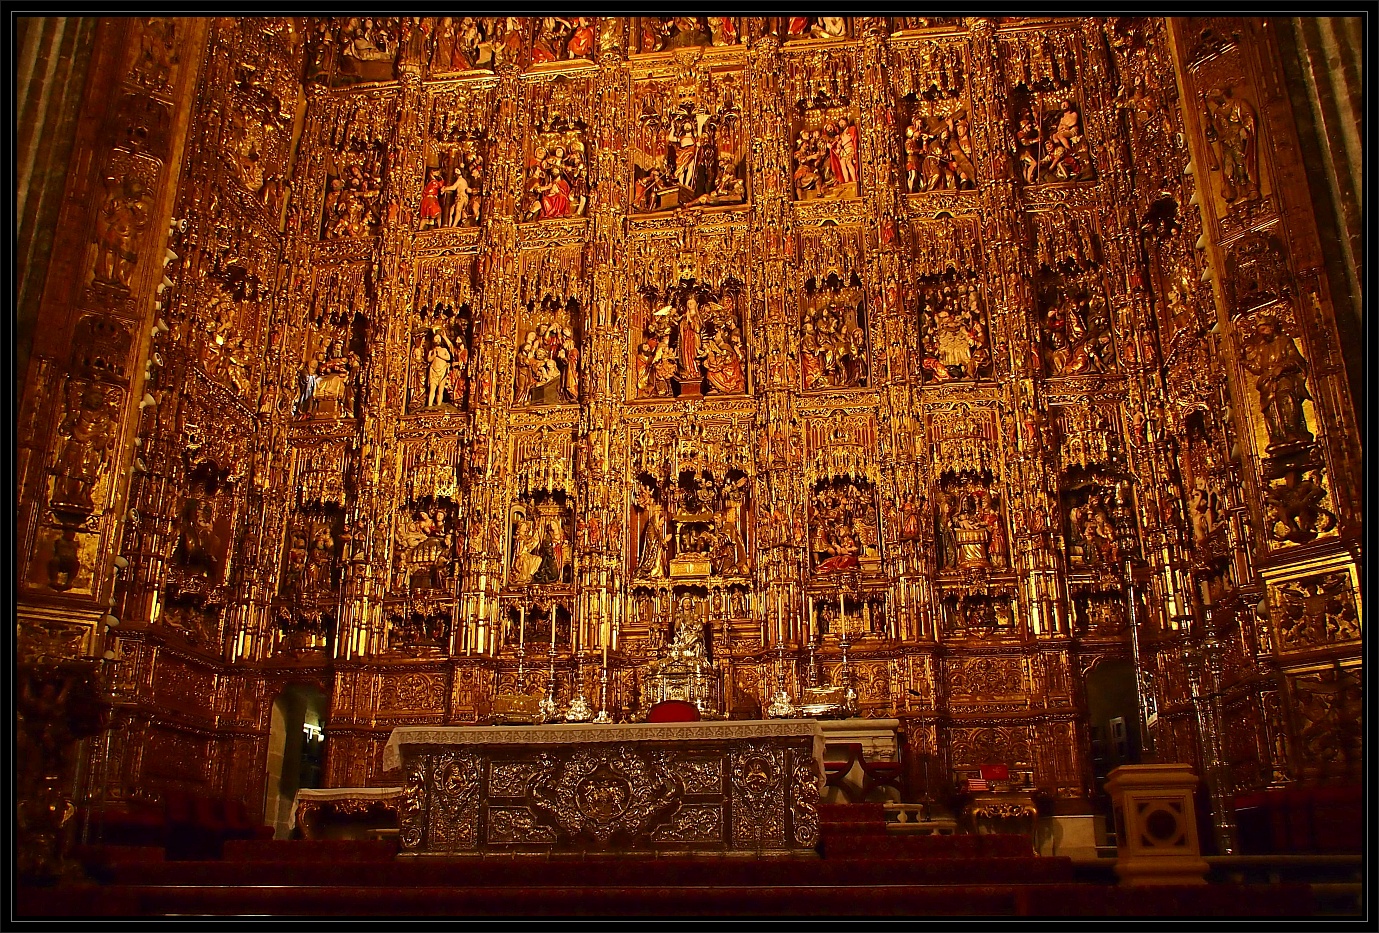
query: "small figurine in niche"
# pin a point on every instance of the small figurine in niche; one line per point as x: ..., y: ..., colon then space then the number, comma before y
x: 439, y: 360
x: 1027, y: 147
x: 431, y: 200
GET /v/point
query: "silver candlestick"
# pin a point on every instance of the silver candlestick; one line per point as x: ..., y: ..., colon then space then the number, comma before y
x: 782, y: 707
x: 814, y: 659
x: 550, y: 709
x: 579, y: 710
x: 603, y: 715
x: 849, y: 694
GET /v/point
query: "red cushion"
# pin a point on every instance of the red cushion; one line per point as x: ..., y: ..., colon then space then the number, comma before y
x: 673, y: 711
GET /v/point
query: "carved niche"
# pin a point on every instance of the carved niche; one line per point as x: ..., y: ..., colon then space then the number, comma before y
x: 666, y: 33
x: 546, y: 369
x: 336, y: 344
x: 841, y: 481
x: 954, y: 327
x: 688, y: 145
x: 455, y: 44
x: 930, y: 82
x: 692, y: 341
x: 256, y: 132
x: 826, y: 151
x: 455, y: 188
x: 691, y: 510
x: 349, y: 50
x: 442, y: 360
x: 1048, y: 138
x: 356, y: 167
x: 557, y: 152
x: 540, y: 538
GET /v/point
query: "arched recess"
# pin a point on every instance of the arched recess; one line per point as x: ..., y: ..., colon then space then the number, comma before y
x: 1113, y: 719
x: 296, y: 741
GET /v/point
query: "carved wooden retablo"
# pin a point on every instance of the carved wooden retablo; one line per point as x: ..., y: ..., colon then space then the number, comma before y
x: 984, y: 366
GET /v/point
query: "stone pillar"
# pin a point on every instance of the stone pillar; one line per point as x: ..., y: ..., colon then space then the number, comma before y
x: 1156, y: 822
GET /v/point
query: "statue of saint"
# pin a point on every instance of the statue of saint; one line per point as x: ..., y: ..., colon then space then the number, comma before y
x: 1232, y: 138
x: 526, y: 547
x: 1282, y: 383
x: 651, y: 558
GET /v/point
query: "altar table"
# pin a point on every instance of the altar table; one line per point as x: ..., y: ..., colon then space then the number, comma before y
x: 322, y: 812
x: 746, y: 787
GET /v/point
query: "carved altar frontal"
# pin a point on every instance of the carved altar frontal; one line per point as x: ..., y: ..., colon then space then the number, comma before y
x: 742, y: 787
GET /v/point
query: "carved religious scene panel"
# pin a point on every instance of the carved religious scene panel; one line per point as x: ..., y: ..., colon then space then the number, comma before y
x: 689, y: 145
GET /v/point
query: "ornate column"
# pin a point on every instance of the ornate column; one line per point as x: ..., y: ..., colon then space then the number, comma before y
x: 780, y: 442
x: 486, y: 526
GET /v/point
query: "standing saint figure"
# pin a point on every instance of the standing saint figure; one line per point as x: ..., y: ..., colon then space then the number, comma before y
x: 458, y: 190
x: 651, y: 558
x: 438, y: 360
x: 1282, y: 383
x: 526, y: 546
x: 845, y: 147
x: 431, y: 200
x: 1232, y: 139
x: 690, y: 325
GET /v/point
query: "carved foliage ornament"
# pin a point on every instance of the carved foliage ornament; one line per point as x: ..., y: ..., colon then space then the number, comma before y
x: 612, y: 792
x: 1315, y: 611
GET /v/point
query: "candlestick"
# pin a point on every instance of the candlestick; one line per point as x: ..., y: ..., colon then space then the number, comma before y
x: 781, y: 706
x: 579, y: 707
x: 549, y: 708
x: 603, y: 715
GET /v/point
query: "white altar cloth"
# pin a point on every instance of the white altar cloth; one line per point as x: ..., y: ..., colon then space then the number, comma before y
x: 573, y: 733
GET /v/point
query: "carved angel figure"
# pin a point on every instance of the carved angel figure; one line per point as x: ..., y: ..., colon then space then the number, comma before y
x: 126, y: 211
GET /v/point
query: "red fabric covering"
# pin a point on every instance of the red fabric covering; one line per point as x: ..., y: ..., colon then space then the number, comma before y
x: 1307, y: 818
x: 995, y: 772
x: 673, y: 711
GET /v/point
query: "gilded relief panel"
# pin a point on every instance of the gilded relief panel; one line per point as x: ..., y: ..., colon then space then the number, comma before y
x: 558, y: 148
x: 835, y: 332
x: 442, y: 360
x: 1047, y: 137
x: 933, y: 116
x: 689, y: 143
x: 668, y: 33
x: 550, y: 328
x: 458, y: 44
x: 457, y: 175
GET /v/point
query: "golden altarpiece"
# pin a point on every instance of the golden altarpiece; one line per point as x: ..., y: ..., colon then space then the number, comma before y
x: 427, y: 360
